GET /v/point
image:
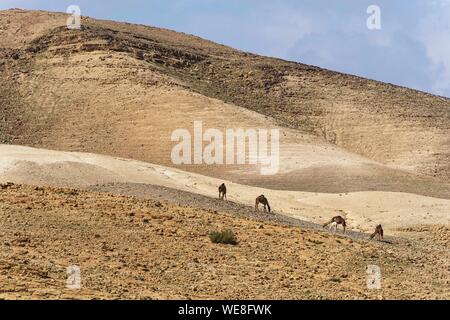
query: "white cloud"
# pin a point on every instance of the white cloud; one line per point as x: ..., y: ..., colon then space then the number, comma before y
x: 269, y: 29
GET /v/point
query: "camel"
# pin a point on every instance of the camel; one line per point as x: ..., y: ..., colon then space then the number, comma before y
x: 337, y: 220
x: 378, y: 232
x: 222, y: 191
x: 263, y: 200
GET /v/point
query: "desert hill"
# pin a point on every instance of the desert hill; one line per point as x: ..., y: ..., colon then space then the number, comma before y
x: 121, y: 89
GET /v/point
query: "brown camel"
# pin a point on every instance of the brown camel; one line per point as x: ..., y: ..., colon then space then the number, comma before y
x: 337, y: 220
x: 222, y: 191
x: 378, y: 232
x: 263, y: 200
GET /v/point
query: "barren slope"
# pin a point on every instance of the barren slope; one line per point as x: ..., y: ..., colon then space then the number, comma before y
x: 144, y: 249
x: 121, y: 89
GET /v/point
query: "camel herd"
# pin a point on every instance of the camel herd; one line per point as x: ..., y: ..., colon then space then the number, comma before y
x: 335, y: 221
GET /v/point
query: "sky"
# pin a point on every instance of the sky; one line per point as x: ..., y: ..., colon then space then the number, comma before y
x: 411, y: 48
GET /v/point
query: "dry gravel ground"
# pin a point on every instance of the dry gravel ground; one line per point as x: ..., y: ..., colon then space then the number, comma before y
x: 198, y: 201
x: 128, y: 247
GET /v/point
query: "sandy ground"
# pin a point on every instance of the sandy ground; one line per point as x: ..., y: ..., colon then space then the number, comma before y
x: 363, y: 210
x: 130, y: 248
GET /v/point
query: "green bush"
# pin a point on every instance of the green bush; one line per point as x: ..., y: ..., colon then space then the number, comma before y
x: 226, y: 237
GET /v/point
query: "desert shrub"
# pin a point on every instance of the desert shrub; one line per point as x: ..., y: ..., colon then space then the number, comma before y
x: 226, y: 237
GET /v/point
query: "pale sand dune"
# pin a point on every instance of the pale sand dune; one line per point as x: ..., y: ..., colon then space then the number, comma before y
x: 363, y: 210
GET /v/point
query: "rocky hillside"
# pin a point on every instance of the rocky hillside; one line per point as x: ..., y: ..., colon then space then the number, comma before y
x: 108, y: 87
